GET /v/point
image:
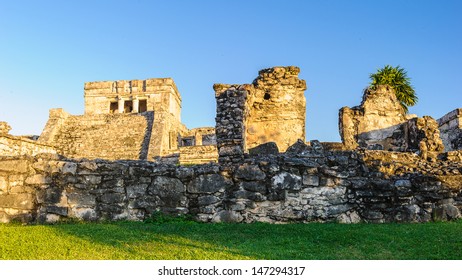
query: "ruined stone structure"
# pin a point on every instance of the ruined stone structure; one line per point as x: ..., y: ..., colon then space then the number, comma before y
x: 137, y: 119
x: 450, y: 126
x: 380, y: 123
x: 19, y: 146
x: 273, y: 107
x: 265, y: 172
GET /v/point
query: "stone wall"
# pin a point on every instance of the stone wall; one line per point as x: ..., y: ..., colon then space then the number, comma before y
x: 17, y: 146
x: 275, y: 107
x: 105, y: 136
x: 450, y: 126
x: 380, y: 123
x: 198, y: 154
x: 314, y: 185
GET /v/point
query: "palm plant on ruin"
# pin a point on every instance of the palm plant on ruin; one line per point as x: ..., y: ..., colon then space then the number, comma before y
x: 397, y: 78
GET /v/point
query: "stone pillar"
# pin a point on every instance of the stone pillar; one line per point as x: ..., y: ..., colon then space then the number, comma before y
x: 121, y: 105
x: 198, y: 139
x: 136, y: 105
x: 230, y: 118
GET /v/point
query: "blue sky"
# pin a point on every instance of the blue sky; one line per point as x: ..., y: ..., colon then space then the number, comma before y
x: 48, y: 49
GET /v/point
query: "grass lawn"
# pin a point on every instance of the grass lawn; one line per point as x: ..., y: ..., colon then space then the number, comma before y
x: 189, y: 240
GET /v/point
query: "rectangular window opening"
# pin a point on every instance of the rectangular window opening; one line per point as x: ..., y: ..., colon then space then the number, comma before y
x: 128, y: 106
x: 185, y: 142
x: 114, y: 107
x: 143, y: 106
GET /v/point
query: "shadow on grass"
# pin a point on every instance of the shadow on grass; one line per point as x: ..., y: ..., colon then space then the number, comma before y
x: 268, y: 241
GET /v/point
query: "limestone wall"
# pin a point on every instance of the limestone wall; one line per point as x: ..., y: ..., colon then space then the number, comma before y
x: 16, y: 146
x: 450, y: 126
x: 198, y: 154
x: 374, y: 186
x: 106, y: 136
x: 275, y: 107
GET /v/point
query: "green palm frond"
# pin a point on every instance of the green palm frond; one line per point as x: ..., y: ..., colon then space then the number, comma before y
x: 397, y: 78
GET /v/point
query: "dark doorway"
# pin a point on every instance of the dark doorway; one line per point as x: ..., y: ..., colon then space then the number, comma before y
x: 128, y: 106
x: 143, y: 106
x: 114, y: 107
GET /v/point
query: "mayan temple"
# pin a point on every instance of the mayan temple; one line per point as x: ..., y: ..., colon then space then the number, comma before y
x: 137, y: 120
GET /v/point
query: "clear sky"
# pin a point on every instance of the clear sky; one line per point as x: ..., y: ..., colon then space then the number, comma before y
x: 48, y: 49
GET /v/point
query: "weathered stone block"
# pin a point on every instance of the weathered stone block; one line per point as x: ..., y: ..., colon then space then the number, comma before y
x: 270, y: 148
x: 86, y: 214
x: 287, y: 181
x: 23, y: 201
x: 14, y: 166
x: 150, y: 203
x: 336, y: 210
x: 230, y: 151
x: 170, y: 190
x: 299, y: 147
x: 207, y: 200
x: 351, y: 217
x: 311, y: 180
x: 62, y: 211
x: 81, y: 199
x: 165, y: 185
x: 112, y: 198
x: 90, y: 179
x: 227, y: 216
x: 38, y: 179
x: 210, y: 183
x: 134, y: 191
x: 52, y: 195
x: 253, y: 186
x: 250, y: 173
x: 445, y: 212
x: 108, y: 182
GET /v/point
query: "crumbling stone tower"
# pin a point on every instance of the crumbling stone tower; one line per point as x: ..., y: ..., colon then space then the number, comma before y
x: 271, y: 109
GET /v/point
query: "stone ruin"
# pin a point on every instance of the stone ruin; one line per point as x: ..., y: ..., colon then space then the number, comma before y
x: 275, y: 108
x: 100, y: 166
x: 271, y: 109
x: 450, y: 126
x: 137, y: 120
x: 380, y: 123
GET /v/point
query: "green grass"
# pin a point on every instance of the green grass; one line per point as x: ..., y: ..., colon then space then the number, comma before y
x: 188, y: 240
